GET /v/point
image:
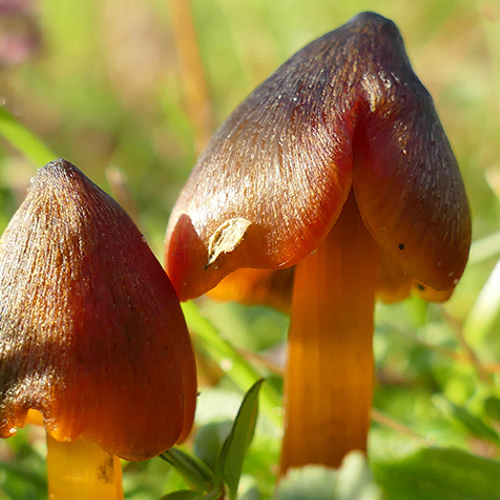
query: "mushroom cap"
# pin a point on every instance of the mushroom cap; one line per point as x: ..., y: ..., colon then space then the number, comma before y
x: 273, y: 288
x: 91, y: 331
x: 345, y: 112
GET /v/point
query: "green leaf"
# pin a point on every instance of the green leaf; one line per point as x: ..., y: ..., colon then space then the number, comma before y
x: 209, y: 440
x: 439, y: 474
x: 311, y: 482
x: 355, y: 481
x: 194, y: 471
x: 492, y: 407
x: 192, y: 495
x: 239, y: 439
x: 471, y: 422
x: 352, y: 481
x: 24, y: 140
x: 182, y: 495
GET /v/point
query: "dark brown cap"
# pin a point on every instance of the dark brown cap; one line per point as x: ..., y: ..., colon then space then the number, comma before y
x: 346, y: 112
x: 91, y: 331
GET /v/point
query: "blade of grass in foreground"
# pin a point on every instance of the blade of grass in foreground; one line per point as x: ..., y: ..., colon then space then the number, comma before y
x: 24, y: 140
x: 481, y: 318
x: 238, y: 369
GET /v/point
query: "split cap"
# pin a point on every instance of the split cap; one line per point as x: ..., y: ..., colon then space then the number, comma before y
x: 345, y: 113
x: 91, y: 331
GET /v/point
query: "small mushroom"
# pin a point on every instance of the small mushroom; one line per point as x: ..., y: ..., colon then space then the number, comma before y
x: 92, y: 336
x: 340, y: 167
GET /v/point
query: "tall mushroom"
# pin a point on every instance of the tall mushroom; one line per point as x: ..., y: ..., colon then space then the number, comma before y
x: 338, y: 165
x: 91, y: 336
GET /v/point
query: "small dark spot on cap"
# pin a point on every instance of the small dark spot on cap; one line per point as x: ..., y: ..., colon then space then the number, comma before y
x: 420, y: 287
x: 401, y: 246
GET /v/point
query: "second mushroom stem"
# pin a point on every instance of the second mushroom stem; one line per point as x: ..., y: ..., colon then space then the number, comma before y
x: 82, y: 471
x: 329, y: 375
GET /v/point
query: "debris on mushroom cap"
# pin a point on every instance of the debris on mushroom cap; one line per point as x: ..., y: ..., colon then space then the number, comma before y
x: 226, y: 238
x: 91, y: 331
x: 347, y: 111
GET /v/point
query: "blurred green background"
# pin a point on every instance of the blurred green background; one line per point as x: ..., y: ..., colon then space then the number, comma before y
x: 106, y: 85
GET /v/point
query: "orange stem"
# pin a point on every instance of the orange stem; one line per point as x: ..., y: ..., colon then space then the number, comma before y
x: 329, y: 375
x: 82, y: 471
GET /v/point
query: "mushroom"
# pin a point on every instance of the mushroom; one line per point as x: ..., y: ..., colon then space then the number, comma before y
x: 337, y: 165
x: 92, y: 336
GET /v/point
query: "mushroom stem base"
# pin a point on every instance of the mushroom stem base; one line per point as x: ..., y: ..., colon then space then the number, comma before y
x: 329, y: 375
x: 82, y: 471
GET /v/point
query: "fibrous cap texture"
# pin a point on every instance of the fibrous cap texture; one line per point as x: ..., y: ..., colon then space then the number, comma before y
x: 345, y: 112
x: 91, y: 331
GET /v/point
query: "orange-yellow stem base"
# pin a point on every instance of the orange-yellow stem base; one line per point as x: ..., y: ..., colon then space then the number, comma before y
x: 82, y: 471
x: 329, y: 375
